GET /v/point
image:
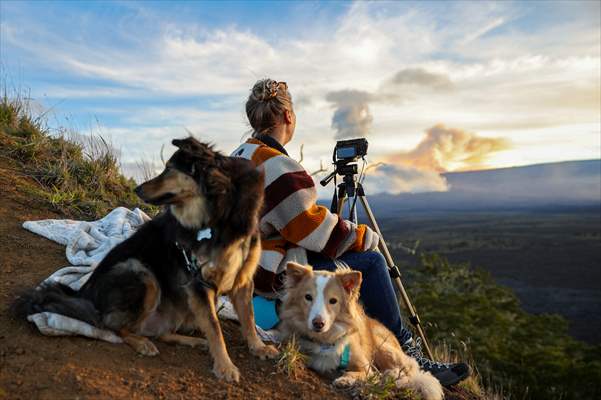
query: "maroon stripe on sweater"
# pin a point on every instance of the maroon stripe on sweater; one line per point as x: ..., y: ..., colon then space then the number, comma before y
x: 339, y: 233
x: 283, y: 187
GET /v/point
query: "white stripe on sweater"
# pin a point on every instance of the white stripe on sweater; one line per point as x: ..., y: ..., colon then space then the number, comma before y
x: 290, y: 207
x: 270, y: 260
x: 245, y: 150
x: 278, y: 166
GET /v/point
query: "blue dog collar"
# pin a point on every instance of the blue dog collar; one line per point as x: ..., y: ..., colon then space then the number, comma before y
x: 345, y: 357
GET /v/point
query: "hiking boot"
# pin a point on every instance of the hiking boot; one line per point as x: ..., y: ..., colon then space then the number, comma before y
x: 448, y: 374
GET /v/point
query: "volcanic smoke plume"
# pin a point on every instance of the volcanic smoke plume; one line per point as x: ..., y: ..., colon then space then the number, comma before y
x: 444, y: 149
x: 396, y: 179
x: 441, y: 150
x: 352, y: 117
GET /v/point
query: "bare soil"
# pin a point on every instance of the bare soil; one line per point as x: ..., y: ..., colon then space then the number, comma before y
x: 33, y: 366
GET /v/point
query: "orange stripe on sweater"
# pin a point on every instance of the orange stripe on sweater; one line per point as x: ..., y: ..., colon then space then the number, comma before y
x: 263, y: 153
x: 360, y: 232
x: 278, y: 245
x: 304, y: 223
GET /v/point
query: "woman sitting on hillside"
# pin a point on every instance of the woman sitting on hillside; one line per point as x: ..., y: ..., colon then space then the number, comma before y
x: 295, y: 228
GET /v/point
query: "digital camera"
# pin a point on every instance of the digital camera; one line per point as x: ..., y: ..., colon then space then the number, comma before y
x: 350, y: 150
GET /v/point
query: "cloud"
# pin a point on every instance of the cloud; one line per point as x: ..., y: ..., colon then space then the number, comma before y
x: 492, y: 25
x: 422, y: 77
x: 514, y: 66
x: 395, y: 179
x: 444, y: 149
x: 352, y: 114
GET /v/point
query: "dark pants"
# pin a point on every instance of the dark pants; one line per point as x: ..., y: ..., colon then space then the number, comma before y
x: 377, y: 293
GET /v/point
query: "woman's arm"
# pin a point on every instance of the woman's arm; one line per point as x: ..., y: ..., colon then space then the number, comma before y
x: 290, y: 207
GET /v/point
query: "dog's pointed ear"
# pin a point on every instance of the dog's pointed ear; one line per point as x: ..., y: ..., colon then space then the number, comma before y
x: 296, y: 272
x: 350, y: 280
x: 188, y: 144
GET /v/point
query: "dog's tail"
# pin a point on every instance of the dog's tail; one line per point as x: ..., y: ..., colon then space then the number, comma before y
x: 56, y: 298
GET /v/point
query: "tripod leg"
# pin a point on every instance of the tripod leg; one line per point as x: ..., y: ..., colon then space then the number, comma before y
x: 341, y: 199
x: 396, y: 274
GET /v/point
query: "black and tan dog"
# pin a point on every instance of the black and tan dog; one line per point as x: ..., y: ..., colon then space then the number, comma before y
x: 165, y: 278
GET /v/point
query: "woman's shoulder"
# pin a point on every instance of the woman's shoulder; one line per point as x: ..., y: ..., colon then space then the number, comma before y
x: 262, y: 154
x: 256, y: 151
x: 273, y: 162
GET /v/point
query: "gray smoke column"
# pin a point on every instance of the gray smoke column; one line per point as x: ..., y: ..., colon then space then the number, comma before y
x: 352, y: 117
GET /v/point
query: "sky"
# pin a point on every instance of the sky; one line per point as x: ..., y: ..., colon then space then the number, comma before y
x: 433, y: 86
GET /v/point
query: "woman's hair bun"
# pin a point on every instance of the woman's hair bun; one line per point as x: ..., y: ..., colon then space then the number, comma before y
x: 267, y: 102
x: 265, y: 89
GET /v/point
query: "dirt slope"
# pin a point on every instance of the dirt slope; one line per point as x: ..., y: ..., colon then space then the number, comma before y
x: 33, y: 366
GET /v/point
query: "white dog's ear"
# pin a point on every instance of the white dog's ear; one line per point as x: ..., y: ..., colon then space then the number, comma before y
x: 296, y: 272
x: 350, y: 280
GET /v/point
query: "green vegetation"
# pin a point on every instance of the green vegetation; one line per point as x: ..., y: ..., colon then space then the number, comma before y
x: 523, y: 355
x: 380, y: 387
x: 519, y: 354
x: 291, y: 361
x: 79, y: 178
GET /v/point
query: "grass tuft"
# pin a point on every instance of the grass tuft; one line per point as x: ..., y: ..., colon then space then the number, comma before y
x: 291, y: 361
x: 76, y: 175
x: 379, y: 386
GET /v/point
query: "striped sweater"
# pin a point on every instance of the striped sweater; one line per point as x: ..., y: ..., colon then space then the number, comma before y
x: 291, y: 221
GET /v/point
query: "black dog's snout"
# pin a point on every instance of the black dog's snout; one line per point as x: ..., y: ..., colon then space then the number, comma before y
x: 138, y: 190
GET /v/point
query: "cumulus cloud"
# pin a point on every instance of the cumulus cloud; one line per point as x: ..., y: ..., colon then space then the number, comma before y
x: 422, y: 77
x: 543, y: 75
x: 443, y: 149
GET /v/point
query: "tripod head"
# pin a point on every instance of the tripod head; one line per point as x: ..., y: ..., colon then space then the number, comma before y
x: 343, y: 168
x: 345, y: 156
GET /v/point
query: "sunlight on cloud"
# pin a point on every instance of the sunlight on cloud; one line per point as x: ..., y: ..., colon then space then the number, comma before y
x: 450, y: 149
x: 383, y: 70
x: 442, y: 149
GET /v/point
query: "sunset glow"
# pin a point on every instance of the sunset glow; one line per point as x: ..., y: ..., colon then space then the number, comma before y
x: 517, y: 82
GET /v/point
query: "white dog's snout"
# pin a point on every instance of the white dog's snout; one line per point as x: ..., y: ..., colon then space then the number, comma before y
x: 319, y: 317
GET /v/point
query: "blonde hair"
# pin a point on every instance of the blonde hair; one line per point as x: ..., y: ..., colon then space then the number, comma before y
x: 266, y: 104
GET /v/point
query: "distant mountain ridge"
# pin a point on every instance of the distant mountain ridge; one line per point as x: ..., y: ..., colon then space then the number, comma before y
x: 539, y: 186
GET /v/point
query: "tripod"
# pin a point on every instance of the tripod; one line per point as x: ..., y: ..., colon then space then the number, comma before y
x: 349, y: 189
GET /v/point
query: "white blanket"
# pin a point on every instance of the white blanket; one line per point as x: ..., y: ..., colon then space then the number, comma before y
x: 86, y: 245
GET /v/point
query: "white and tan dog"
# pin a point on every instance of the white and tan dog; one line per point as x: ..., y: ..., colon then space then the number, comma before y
x: 322, y: 309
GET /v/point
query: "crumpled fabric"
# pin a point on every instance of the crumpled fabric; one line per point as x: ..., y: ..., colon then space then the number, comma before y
x: 86, y: 244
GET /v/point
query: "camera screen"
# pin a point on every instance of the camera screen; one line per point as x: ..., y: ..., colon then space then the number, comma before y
x: 346, y: 152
